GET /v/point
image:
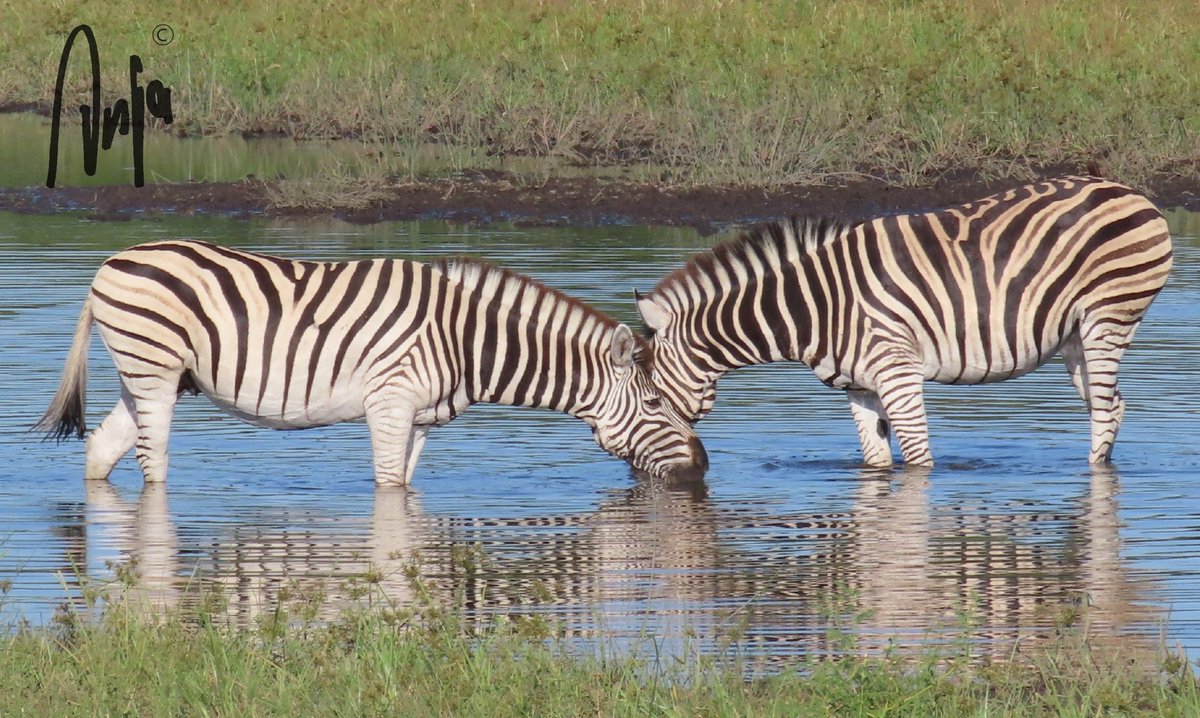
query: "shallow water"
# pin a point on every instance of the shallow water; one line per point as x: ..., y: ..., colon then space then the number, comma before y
x: 787, y: 549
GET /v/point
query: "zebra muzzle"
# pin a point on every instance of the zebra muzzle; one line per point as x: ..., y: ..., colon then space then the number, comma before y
x: 691, y: 469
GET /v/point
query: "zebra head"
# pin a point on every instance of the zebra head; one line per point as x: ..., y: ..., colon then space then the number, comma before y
x: 677, y: 366
x: 631, y: 420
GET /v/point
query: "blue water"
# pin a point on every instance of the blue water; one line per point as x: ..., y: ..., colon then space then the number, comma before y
x: 788, y: 549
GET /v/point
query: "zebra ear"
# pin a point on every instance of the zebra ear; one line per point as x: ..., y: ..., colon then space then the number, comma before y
x: 622, y: 346
x: 653, y: 315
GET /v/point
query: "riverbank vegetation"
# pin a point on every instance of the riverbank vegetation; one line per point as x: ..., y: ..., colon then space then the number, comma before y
x: 114, y: 654
x: 683, y: 93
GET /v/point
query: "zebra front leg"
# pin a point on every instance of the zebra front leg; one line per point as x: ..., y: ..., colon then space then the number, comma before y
x: 390, y: 419
x: 901, y: 390
x: 415, y: 445
x: 1093, y: 357
x: 872, y: 424
x: 110, y: 441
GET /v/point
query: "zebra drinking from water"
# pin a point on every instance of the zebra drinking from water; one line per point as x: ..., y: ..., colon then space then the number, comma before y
x: 982, y: 292
x: 294, y: 344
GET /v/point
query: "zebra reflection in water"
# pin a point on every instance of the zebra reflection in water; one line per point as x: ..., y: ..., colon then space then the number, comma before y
x: 664, y: 560
x: 926, y: 574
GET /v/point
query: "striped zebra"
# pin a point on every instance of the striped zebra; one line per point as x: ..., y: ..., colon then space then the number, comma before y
x: 294, y: 344
x: 977, y: 293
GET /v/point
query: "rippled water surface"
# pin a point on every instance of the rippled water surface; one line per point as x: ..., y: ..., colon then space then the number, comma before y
x: 787, y: 546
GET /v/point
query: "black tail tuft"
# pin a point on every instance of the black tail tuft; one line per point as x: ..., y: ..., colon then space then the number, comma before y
x: 68, y: 425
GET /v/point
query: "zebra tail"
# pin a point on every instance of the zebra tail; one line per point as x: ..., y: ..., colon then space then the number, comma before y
x: 65, y: 417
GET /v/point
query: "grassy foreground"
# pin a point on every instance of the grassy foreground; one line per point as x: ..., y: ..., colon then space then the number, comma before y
x: 429, y: 661
x: 778, y: 91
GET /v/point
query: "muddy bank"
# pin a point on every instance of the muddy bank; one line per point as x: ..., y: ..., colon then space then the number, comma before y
x: 557, y: 201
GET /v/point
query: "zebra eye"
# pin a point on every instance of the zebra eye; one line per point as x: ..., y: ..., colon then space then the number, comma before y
x: 653, y: 402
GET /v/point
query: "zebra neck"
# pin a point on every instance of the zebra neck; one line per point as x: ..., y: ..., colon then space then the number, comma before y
x: 759, y: 322
x: 534, y: 361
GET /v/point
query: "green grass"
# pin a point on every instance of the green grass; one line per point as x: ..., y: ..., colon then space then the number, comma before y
x: 114, y: 656
x: 760, y: 93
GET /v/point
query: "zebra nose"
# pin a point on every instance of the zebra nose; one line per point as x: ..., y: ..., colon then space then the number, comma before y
x: 699, y: 455
x: 696, y: 468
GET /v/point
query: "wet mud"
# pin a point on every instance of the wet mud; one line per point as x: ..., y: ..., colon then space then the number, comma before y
x: 487, y: 198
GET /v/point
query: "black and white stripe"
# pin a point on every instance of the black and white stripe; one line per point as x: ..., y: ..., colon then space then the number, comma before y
x: 293, y: 344
x: 982, y: 292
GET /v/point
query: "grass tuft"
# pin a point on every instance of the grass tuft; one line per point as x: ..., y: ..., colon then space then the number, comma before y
x: 117, y: 655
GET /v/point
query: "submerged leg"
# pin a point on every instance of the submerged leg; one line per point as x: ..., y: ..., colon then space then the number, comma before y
x: 415, y: 445
x: 110, y: 441
x: 390, y: 419
x: 873, y: 430
x: 154, y: 404
x: 900, y: 386
x: 1093, y: 357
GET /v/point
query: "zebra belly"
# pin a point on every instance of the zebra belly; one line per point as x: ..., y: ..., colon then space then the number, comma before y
x: 980, y: 375
x: 975, y: 370
x: 334, y: 409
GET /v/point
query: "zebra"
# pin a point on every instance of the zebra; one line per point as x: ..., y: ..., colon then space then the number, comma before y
x: 294, y: 344
x: 977, y: 293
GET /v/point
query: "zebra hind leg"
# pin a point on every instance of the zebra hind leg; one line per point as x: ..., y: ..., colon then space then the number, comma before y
x: 390, y: 420
x: 154, y: 399
x: 1093, y: 356
x: 873, y: 430
x: 900, y: 386
x: 112, y: 439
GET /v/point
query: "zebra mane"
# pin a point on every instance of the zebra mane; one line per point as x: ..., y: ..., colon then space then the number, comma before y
x: 797, y: 235
x: 489, y: 280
